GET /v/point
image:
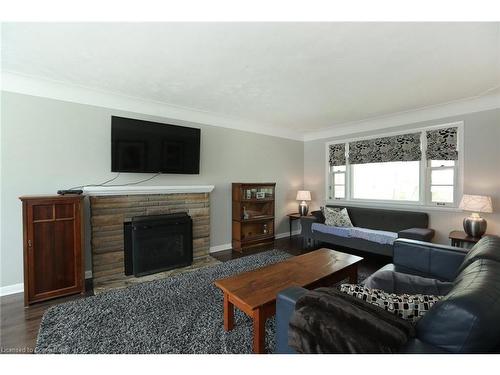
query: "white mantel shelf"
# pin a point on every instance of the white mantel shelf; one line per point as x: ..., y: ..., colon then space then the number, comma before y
x: 136, y: 190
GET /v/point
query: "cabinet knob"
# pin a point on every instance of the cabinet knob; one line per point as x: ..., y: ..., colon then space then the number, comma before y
x: 30, y: 244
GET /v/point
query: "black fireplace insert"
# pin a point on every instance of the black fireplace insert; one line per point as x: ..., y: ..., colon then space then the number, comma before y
x: 157, y: 243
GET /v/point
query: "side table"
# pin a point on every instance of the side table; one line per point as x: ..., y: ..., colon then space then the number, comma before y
x: 461, y: 239
x: 292, y: 218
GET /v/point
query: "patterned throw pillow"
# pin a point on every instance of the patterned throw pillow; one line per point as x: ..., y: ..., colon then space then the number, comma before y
x: 337, y: 217
x: 406, y: 306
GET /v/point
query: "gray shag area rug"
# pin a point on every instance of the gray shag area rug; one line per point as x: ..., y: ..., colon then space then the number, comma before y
x: 180, y: 314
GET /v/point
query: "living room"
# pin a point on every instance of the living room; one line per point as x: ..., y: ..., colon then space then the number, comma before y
x: 250, y: 187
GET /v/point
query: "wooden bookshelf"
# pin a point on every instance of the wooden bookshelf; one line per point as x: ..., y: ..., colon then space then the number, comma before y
x: 253, y: 214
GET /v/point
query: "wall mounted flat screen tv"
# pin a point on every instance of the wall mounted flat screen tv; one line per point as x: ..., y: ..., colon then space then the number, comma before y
x: 151, y: 147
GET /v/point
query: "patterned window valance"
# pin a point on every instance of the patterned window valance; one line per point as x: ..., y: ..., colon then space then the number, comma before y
x: 405, y: 147
x: 442, y: 144
x: 337, y: 154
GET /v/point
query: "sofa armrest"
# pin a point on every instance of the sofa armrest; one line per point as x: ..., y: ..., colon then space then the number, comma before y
x: 419, y: 234
x: 416, y: 346
x: 306, y: 223
x: 285, y: 306
x: 318, y: 214
x: 433, y: 260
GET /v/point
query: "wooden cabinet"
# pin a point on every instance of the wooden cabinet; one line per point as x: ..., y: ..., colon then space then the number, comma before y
x: 253, y: 214
x: 53, y: 247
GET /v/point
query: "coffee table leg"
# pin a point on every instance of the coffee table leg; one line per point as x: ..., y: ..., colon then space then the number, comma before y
x: 228, y: 313
x: 353, y: 274
x: 259, y: 331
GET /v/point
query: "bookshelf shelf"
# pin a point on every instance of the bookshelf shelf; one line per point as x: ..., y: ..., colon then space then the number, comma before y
x: 253, y: 214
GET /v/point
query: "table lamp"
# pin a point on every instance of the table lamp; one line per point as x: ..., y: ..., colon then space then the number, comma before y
x: 303, y: 195
x: 475, y: 225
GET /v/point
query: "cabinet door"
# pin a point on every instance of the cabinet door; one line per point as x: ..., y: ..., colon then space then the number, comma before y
x: 54, y: 249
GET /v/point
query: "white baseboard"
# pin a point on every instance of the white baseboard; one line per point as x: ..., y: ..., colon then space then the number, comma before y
x: 19, y: 288
x: 286, y: 234
x: 11, y: 289
x: 228, y: 246
x: 215, y: 249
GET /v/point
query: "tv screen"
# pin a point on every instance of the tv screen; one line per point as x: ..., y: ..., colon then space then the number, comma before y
x: 151, y: 147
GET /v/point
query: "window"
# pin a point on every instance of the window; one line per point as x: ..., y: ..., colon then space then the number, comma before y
x: 338, y: 181
x: 442, y: 181
x: 419, y: 168
x: 398, y: 181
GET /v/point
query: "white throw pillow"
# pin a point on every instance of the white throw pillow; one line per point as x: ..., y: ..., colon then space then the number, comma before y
x: 337, y: 217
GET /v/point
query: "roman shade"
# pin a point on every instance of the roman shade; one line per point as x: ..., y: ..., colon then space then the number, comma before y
x: 442, y: 144
x: 404, y: 147
x: 337, y: 154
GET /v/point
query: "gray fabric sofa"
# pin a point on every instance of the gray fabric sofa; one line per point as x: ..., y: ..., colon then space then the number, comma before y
x: 406, y: 224
x: 464, y: 321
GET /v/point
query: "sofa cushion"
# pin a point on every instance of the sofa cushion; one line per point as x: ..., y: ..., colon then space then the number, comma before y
x: 407, y: 306
x: 389, y: 220
x: 466, y: 320
x: 379, y: 236
x: 486, y: 248
x: 336, y: 217
x: 397, y: 282
x: 429, y: 260
x: 353, y: 243
x: 328, y: 229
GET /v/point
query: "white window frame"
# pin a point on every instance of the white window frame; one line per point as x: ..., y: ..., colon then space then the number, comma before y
x: 429, y: 184
x: 424, y: 173
x: 333, y: 184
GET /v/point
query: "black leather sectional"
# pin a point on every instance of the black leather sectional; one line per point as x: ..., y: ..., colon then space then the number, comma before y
x: 465, y: 320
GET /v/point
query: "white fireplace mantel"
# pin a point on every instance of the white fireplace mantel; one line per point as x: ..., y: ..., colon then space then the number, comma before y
x: 135, y: 190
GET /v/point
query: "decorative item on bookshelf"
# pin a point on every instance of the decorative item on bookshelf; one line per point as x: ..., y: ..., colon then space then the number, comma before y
x: 303, y: 195
x: 475, y: 225
x: 260, y: 195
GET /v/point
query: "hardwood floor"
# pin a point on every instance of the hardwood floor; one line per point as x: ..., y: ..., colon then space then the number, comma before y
x: 19, y: 326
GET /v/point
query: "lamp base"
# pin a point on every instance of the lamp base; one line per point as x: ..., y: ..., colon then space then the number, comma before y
x: 475, y: 226
x: 303, y: 209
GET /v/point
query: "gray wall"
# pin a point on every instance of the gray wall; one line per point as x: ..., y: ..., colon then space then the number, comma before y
x: 481, y: 168
x: 47, y: 145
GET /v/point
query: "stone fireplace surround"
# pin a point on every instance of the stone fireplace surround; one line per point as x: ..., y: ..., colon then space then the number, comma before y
x: 111, y: 206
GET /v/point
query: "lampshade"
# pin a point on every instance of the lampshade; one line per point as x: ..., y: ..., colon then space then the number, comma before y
x: 476, y: 203
x: 303, y: 195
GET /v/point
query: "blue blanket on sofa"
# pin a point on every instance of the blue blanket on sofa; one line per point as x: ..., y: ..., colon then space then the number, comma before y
x: 337, y: 231
x: 380, y: 236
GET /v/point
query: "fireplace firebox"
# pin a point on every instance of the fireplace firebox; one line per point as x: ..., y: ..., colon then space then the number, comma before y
x: 157, y: 243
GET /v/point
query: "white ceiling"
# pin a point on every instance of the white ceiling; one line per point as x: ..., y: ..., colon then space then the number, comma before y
x: 301, y: 77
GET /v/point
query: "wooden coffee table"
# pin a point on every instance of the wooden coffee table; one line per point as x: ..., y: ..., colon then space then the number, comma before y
x: 254, y: 292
